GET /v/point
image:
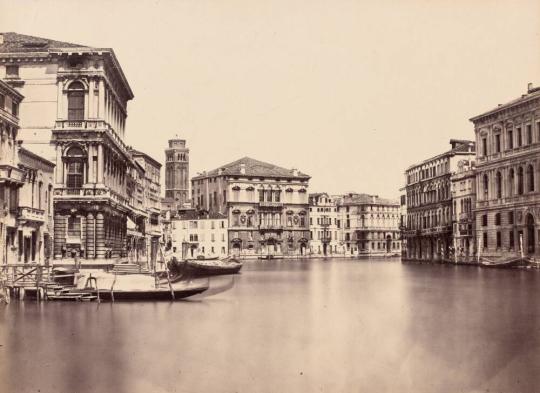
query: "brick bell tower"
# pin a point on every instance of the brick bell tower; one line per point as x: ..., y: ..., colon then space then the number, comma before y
x: 177, y: 173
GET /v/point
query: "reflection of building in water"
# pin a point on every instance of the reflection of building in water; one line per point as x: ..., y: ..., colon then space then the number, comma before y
x: 507, y: 177
x: 197, y: 234
x: 266, y: 206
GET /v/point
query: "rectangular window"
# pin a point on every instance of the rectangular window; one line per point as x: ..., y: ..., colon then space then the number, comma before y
x: 14, y: 108
x: 74, y: 226
x: 484, y: 220
x: 510, y: 139
x: 529, y: 134
x: 485, y: 239
x: 498, y: 143
x: 511, y: 218
x: 484, y: 147
x: 519, y: 137
x: 12, y: 71
x: 499, y: 240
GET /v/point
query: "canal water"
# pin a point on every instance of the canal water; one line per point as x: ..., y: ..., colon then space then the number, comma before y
x: 291, y: 326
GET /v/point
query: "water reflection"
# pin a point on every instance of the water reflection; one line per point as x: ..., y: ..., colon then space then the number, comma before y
x: 291, y: 326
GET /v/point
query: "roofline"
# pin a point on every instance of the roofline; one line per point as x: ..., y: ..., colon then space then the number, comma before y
x: 518, y: 101
x: 306, y: 177
x: 135, y: 152
x: 449, y: 153
x: 35, y: 156
x: 11, y: 90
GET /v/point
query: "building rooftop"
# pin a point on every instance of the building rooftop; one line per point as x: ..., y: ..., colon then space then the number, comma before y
x: 136, y: 153
x: 254, y: 168
x: 13, y: 44
x: 193, y: 214
x: 366, y: 199
x: 27, y: 153
x: 532, y: 93
x: 457, y: 146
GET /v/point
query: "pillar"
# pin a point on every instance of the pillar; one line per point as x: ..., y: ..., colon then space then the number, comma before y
x: 101, y: 100
x: 59, y: 106
x: 100, y: 164
x: 90, y: 236
x: 100, y: 236
x: 59, y: 165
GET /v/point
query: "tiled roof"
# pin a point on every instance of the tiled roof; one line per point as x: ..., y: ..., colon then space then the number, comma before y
x: 193, y: 214
x: 254, y: 168
x: 17, y: 43
x: 365, y: 199
x: 135, y: 153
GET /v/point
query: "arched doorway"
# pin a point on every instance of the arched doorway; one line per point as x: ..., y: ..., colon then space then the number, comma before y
x: 388, y: 243
x: 530, y: 234
x: 236, y: 248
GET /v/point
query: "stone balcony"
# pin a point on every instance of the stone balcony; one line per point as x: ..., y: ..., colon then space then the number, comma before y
x: 11, y: 174
x: 271, y: 204
x: 270, y: 227
x: 90, y: 125
x: 94, y: 195
x: 31, y: 214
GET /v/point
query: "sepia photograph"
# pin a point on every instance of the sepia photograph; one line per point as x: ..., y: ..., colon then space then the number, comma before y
x: 269, y: 196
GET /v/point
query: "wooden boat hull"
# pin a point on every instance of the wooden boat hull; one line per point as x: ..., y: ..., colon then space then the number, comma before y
x: 202, y: 270
x: 157, y: 294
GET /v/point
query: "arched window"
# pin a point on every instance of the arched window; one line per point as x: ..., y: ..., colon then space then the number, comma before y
x: 486, y: 185
x: 76, y: 101
x: 530, y: 177
x: 75, y: 159
x: 499, y: 184
x: 520, y: 180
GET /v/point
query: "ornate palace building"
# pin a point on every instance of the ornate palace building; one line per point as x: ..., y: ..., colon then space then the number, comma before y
x: 507, y: 178
x: 266, y: 206
x: 463, y: 185
x: 176, y: 176
x: 370, y: 225
x: 429, y: 202
x: 323, y: 225
x: 75, y: 114
x: 12, y: 177
x: 25, y: 191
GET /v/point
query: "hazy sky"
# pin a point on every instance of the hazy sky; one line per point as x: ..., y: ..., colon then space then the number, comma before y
x: 350, y: 92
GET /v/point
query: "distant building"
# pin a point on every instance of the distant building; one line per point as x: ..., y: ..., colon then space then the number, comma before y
x: 403, y: 221
x: 429, y: 202
x: 464, y: 199
x: 176, y: 175
x: 151, y: 189
x: 266, y: 205
x: 35, y: 211
x: 507, y: 178
x: 12, y: 178
x: 199, y: 235
x: 323, y: 224
x: 370, y: 225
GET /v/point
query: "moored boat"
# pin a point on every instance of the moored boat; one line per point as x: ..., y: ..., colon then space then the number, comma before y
x: 136, y: 286
x: 203, y: 268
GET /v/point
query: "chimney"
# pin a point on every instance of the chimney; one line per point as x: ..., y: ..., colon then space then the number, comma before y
x: 294, y: 172
x: 373, y: 198
x: 243, y: 169
x: 529, y: 87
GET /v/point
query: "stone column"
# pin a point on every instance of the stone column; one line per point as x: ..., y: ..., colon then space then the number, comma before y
x: 90, y: 171
x: 90, y: 236
x: 59, y: 100
x: 100, y: 164
x: 100, y: 236
x: 59, y: 165
x: 101, y: 100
